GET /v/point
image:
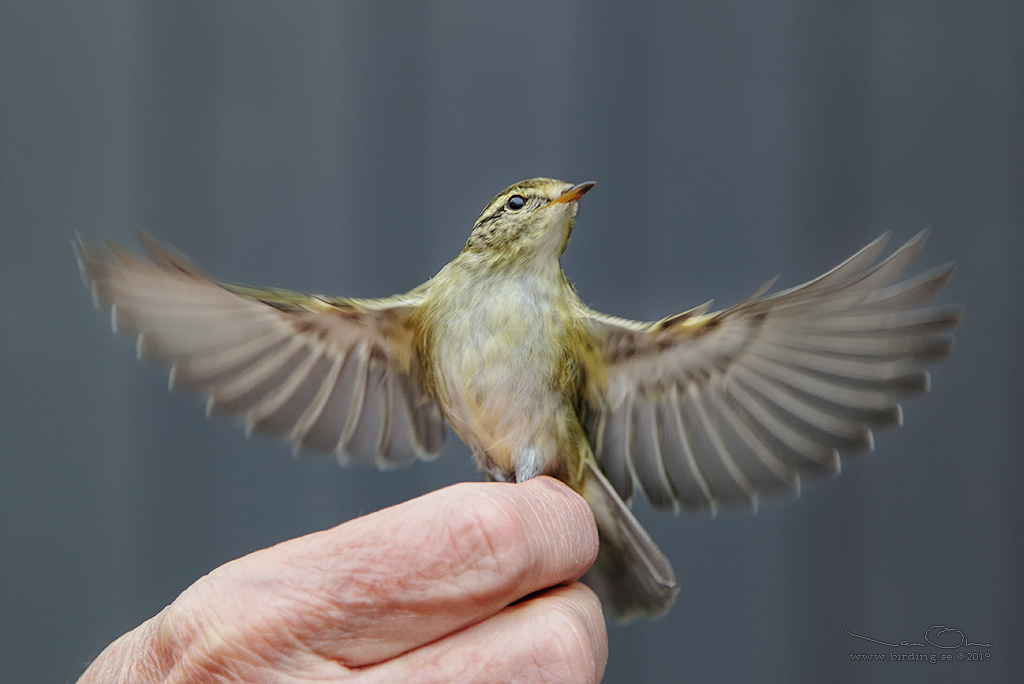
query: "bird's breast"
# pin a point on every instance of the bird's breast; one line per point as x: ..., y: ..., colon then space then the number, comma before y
x: 497, y: 357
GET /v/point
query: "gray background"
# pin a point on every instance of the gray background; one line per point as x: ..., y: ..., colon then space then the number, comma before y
x: 347, y: 148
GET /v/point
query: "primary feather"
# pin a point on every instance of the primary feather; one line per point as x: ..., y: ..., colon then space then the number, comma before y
x: 708, y: 410
x: 328, y: 374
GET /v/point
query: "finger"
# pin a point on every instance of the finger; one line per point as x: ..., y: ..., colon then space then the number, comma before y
x: 451, y: 559
x: 386, y: 583
x: 557, y: 636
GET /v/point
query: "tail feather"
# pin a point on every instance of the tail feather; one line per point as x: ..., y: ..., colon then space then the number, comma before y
x: 632, y: 577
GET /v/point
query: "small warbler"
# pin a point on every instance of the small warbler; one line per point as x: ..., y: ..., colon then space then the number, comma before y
x: 701, y: 409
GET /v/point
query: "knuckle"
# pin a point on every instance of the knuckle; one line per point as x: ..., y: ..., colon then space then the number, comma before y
x: 488, y: 538
x: 566, y: 651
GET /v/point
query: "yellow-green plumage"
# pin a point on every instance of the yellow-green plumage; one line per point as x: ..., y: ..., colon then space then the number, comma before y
x: 702, y: 410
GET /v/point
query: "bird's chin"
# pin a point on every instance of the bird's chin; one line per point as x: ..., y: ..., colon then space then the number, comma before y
x: 567, y: 230
x: 566, y: 216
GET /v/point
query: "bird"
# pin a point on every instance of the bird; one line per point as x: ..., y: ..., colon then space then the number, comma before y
x: 702, y: 410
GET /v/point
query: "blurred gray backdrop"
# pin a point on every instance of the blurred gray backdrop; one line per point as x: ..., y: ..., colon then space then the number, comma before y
x: 347, y: 147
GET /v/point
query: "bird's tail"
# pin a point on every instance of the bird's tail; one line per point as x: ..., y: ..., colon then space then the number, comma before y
x: 632, y: 577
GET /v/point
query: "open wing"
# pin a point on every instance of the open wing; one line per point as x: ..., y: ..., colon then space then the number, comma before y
x: 329, y: 374
x: 709, y: 409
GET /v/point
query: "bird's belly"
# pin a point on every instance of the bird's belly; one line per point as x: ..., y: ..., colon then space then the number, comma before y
x: 497, y: 385
x: 501, y: 406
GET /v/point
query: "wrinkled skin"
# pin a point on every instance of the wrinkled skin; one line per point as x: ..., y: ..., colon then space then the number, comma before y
x: 431, y: 590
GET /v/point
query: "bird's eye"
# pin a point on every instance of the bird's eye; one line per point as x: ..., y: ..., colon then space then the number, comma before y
x: 515, y: 203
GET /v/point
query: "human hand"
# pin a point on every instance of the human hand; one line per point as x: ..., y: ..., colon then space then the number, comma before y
x: 431, y: 590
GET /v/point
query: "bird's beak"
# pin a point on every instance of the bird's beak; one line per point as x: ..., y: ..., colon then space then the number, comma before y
x: 573, y: 193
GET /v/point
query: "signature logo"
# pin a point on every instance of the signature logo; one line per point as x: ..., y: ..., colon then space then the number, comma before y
x: 938, y: 636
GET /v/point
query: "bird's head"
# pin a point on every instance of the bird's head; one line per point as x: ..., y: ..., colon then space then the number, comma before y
x: 528, y: 220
